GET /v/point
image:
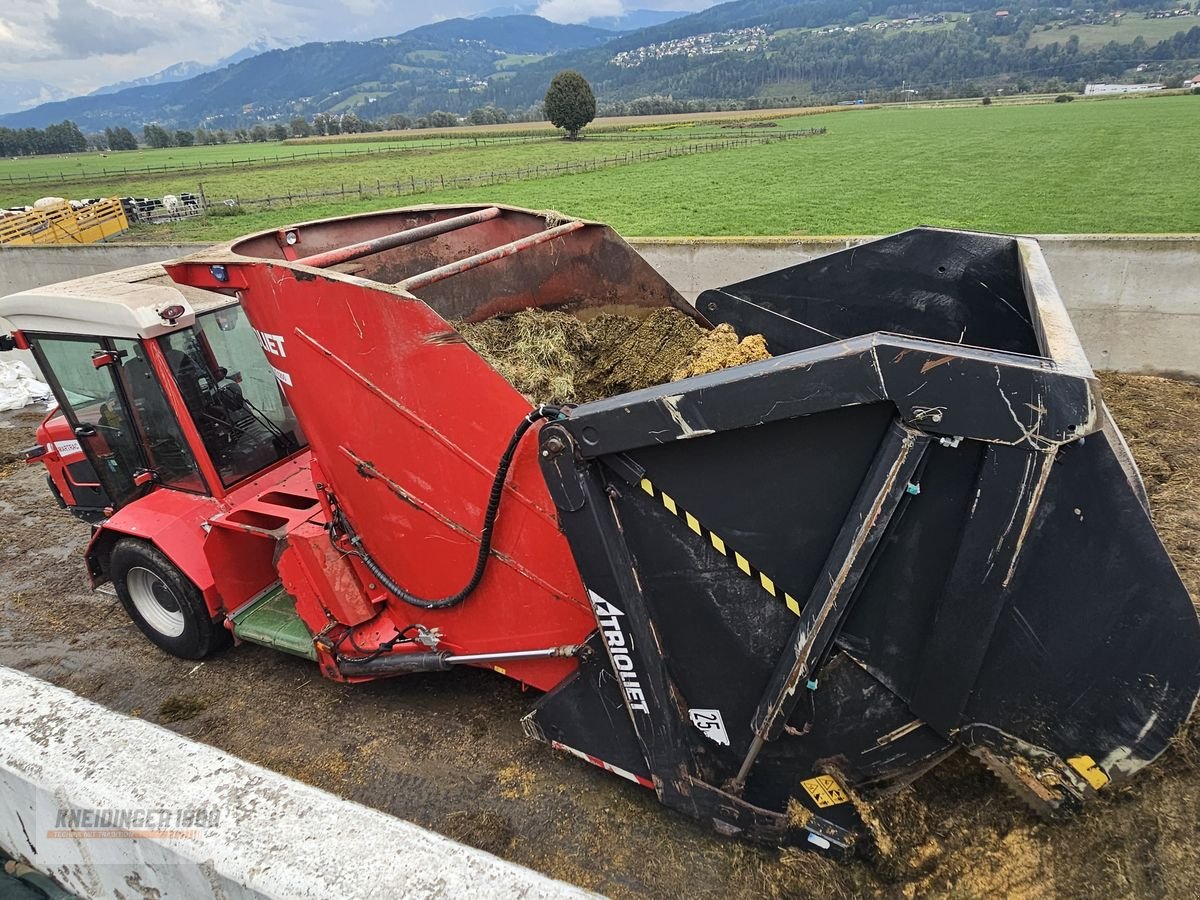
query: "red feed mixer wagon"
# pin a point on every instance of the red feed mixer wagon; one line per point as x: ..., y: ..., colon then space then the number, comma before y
x: 914, y: 530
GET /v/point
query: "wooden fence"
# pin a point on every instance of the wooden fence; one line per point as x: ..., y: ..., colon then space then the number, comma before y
x: 414, y: 185
x: 413, y: 145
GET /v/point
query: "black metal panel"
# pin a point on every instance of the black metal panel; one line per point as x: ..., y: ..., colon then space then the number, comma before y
x: 1098, y: 622
x: 885, y: 486
x: 851, y: 725
x: 1008, y: 487
x: 775, y: 494
x: 944, y: 389
x: 1017, y: 603
x: 570, y: 713
x: 703, y: 606
x: 959, y: 287
x: 887, y: 636
x: 614, y: 588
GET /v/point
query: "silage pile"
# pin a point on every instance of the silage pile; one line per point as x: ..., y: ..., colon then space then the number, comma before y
x: 554, y: 357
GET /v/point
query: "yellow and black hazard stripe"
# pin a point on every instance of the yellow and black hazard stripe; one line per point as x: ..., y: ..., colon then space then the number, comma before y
x: 765, y: 581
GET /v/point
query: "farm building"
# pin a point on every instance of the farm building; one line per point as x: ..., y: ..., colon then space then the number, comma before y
x: 1092, y: 90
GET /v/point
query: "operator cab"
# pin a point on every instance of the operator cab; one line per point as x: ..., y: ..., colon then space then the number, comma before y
x: 177, y: 393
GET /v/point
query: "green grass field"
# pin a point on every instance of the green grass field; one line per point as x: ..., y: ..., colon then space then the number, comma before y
x: 1127, y: 28
x: 70, y: 167
x: 1124, y: 165
x: 333, y: 173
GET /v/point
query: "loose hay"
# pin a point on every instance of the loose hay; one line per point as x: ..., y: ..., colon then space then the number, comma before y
x: 721, y: 349
x: 540, y: 353
x: 553, y: 357
x: 1158, y: 417
x: 647, y: 355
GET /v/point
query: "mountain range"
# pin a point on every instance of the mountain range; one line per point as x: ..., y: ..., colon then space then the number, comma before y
x: 449, y: 57
x: 629, y: 20
x: 24, y: 93
x: 749, y: 51
x: 182, y: 71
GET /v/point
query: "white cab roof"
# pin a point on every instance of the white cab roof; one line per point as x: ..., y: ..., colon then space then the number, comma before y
x: 121, y: 304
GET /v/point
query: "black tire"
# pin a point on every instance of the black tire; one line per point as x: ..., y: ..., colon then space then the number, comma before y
x: 163, y: 602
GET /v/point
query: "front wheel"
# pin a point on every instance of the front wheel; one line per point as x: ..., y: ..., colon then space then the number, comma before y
x: 167, y: 607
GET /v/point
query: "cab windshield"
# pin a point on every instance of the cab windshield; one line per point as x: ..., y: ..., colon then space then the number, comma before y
x: 232, y: 394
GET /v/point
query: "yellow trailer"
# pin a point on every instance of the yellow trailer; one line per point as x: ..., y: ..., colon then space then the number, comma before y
x: 61, y: 224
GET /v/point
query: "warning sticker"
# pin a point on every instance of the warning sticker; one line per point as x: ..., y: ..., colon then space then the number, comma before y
x: 825, y: 791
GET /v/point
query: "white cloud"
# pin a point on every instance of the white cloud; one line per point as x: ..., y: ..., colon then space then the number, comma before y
x: 82, y: 29
x: 78, y: 45
x: 574, y: 12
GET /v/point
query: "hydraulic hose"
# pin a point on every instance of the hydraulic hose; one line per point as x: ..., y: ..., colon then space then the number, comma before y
x: 485, y: 534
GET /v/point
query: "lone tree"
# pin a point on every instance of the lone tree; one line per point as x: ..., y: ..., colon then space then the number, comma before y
x: 570, y: 103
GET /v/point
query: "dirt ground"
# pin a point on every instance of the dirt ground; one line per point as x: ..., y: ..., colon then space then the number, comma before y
x: 446, y: 750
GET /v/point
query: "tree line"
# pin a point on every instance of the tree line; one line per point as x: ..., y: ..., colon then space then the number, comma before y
x: 64, y: 137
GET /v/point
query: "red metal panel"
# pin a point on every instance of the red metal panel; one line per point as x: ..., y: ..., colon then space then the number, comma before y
x: 433, y: 276
x: 53, y: 431
x: 408, y: 424
x: 322, y: 580
x: 399, y: 239
x: 174, y: 521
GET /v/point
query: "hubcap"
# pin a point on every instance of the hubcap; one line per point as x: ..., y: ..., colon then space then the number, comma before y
x: 156, y: 602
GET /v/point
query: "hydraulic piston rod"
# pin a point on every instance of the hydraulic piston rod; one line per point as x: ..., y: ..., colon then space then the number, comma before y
x: 440, y: 661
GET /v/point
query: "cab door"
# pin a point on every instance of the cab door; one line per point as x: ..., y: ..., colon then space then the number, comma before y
x: 96, y: 408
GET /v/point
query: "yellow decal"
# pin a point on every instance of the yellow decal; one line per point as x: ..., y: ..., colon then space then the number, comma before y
x: 693, y: 523
x: 825, y: 791
x: 1086, y: 766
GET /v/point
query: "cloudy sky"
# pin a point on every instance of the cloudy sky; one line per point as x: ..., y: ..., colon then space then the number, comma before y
x: 78, y: 45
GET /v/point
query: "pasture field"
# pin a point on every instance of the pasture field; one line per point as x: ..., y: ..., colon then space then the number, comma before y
x: 67, y: 169
x: 1126, y: 166
x: 606, y: 124
x: 371, y: 171
x: 1128, y: 27
x: 1116, y: 166
x: 72, y: 167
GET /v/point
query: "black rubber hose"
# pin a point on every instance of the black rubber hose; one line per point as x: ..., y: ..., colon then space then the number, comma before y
x: 485, y: 534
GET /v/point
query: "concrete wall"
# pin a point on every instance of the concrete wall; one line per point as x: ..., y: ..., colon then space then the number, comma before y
x: 272, y: 837
x: 22, y: 268
x: 1135, y: 300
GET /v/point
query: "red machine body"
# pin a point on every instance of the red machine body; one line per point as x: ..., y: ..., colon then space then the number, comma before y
x: 404, y: 423
x: 69, y: 474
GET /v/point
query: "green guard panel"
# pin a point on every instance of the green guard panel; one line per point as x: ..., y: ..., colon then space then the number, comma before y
x: 272, y: 621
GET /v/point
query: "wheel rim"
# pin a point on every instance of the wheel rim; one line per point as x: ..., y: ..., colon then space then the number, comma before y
x: 155, y: 602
